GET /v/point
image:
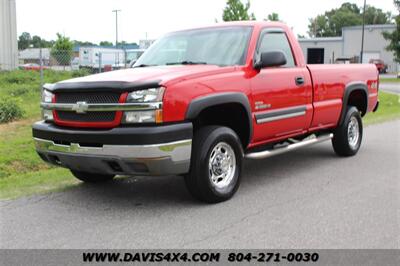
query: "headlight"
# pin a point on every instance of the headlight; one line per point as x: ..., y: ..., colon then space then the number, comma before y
x: 47, y: 97
x: 145, y: 96
x: 148, y: 116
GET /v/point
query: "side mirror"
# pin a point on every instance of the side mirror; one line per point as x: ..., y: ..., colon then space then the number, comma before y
x: 271, y: 59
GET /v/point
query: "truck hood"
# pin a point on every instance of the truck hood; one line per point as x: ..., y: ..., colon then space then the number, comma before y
x: 138, y: 78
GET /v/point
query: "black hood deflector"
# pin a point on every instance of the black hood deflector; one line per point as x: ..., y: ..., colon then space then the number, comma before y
x: 87, y: 86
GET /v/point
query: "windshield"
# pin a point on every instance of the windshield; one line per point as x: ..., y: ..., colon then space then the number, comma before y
x: 225, y: 46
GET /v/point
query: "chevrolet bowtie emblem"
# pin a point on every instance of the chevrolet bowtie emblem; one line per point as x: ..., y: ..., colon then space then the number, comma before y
x: 80, y: 107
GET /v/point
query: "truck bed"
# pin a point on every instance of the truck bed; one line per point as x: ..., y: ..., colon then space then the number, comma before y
x: 329, y: 83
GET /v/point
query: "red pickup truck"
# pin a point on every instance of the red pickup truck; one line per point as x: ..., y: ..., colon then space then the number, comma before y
x: 198, y: 102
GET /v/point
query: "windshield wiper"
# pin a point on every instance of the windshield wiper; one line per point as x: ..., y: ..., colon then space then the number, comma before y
x: 187, y: 63
x: 143, y: 65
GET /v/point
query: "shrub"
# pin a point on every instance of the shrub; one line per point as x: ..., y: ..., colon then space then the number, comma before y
x: 19, y: 91
x: 21, y: 77
x: 10, y: 109
x: 80, y: 73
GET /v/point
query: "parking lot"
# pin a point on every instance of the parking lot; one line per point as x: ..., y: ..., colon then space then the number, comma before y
x: 305, y: 199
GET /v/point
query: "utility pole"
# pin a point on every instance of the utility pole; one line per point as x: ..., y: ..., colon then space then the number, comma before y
x: 362, y: 35
x: 315, y: 27
x: 116, y: 26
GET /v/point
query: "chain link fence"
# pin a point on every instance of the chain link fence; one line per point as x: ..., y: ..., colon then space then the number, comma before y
x: 88, y: 59
x: 38, y: 59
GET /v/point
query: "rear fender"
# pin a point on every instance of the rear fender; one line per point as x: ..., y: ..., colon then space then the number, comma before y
x: 353, y: 86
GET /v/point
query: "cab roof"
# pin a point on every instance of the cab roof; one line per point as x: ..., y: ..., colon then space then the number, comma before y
x: 252, y: 23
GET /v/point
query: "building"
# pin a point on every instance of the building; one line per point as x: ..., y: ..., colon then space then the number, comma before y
x: 32, y: 55
x: 8, y: 35
x: 144, y: 44
x: 329, y: 50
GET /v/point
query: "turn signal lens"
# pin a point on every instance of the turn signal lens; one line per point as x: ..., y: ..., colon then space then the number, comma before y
x: 159, y: 116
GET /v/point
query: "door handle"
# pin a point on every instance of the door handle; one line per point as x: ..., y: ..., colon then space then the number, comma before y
x: 299, y: 81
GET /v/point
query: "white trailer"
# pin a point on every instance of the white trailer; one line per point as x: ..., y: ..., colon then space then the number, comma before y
x: 99, y: 57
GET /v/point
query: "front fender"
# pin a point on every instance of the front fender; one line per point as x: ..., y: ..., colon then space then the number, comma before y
x: 201, y: 103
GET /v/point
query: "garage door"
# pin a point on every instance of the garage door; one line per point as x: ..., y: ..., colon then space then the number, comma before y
x: 370, y: 55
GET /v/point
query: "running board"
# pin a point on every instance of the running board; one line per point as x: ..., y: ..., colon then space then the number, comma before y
x: 306, y: 142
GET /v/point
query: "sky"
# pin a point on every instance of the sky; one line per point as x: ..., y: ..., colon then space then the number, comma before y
x: 93, y: 20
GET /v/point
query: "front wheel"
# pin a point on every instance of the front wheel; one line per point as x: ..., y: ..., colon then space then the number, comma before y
x: 216, y: 164
x: 91, y: 177
x: 348, y: 136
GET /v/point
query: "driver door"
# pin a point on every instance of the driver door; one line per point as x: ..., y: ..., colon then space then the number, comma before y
x: 282, y: 96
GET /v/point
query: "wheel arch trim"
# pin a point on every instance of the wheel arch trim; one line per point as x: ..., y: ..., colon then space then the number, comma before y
x: 351, y: 87
x: 203, y: 102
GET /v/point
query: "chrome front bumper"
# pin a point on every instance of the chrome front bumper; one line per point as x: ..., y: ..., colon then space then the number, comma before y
x: 150, y: 159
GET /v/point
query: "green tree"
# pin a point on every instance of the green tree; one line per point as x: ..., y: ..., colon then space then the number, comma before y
x: 62, y: 50
x: 24, y: 40
x: 83, y: 43
x: 106, y: 43
x: 375, y: 16
x: 273, y: 17
x: 235, y: 10
x: 394, y: 37
x: 331, y: 22
x: 36, y: 41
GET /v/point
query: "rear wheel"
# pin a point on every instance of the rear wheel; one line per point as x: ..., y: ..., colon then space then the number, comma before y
x: 91, y: 177
x: 216, y: 164
x: 348, y: 136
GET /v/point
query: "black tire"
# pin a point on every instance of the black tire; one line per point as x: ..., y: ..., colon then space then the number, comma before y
x: 91, y: 177
x: 343, y: 142
x: 198, y: 181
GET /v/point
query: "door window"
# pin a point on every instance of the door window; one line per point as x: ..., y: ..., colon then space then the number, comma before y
x: 277, y: 41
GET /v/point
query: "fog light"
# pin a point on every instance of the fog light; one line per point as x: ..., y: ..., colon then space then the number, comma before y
x: 47, y: 115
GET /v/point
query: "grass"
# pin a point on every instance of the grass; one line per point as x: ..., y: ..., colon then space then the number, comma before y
x: 37, y: 182
x: 25, y: 85
x: 390, y: 80
x: 389, y: 109
x: 23, y: 173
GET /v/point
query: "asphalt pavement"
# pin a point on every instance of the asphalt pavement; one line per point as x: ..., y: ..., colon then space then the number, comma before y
x: 391, y: 87
x: 309, y: 198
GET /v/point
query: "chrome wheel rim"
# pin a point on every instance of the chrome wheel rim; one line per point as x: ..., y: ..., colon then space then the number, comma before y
x: 222, y: 165
x: 353, y: 132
